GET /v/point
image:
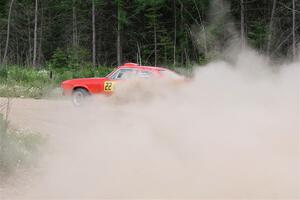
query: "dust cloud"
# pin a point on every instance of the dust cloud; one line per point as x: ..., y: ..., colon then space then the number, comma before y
x: 231, y: 132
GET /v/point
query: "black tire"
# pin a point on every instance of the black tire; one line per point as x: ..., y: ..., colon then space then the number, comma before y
x: 79, y: 96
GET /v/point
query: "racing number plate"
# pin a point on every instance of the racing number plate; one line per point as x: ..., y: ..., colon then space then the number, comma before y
x: 109, y: 86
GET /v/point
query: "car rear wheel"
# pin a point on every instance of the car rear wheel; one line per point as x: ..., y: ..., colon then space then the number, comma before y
x: 79, y: 96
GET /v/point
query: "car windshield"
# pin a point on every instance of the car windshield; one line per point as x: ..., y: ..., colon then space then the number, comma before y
x: 130, y: 73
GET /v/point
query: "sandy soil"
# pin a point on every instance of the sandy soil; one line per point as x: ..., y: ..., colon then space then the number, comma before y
x: 37, y: 115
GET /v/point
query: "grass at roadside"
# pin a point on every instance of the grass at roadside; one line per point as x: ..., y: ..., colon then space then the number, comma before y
x: 19, y: 149
x: 16, y: 81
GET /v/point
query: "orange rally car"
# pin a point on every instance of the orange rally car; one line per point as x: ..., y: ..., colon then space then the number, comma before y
x: 81, y: 88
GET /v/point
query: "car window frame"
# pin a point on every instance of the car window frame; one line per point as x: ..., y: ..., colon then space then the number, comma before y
x: 116, y: 73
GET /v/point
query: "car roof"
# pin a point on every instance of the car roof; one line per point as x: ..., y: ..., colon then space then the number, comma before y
x: 137, y: 66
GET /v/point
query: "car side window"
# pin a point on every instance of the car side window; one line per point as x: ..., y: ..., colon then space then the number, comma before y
x: 124, y: 74
x: 170, y: 74
x: 144, y: 74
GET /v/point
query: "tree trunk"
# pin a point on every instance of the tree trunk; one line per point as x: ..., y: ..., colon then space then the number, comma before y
x: 155, y: 42
x: 17, y: 54
x: 243, y: 41
x: 8, y: 31
x: 119, y: 47
x: 29, y: 59
x: 182, y: 31
x: 175, y: 32
x: 35, y: 34
x: 74, y: 26
x: 203, y: 29
x: 41, y: 37
x: 271, y: 26
x: 94, y: 33
x: 139, y: 54
x: 294, y: 30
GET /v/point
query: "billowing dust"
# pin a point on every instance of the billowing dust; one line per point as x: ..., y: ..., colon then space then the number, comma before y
x: 231, y: 132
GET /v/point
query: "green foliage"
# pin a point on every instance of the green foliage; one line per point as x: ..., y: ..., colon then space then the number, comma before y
x: 99, y: 3
x: 258, y: 35
x: 122, y: 14
x: 64, y: 24
x: 59, y: 59
x: 81, y: 73
x: 78, y: 57
x: 202, y: 60
x: 18, y: 90
x: 153, y: 3
x: 28, y: 76
x: 62, y: 76
x: 24, y: 82
x: 75, y: 57
x: 3, y: 73
x: 16, y: 81
x: 18, y: 148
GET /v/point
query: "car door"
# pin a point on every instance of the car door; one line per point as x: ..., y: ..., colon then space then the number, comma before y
x: 118, y: 77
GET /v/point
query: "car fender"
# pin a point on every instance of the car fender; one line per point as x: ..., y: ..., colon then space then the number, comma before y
x: 81, y: 86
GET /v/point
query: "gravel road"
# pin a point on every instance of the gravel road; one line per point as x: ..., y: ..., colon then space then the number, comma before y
x: 37, y: 115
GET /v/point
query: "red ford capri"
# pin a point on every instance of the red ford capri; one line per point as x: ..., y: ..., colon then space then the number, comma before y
x: 79, y: 89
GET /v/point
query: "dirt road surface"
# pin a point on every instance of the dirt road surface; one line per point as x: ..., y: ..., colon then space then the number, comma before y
x: 37, y: 115
x: 242, y: 141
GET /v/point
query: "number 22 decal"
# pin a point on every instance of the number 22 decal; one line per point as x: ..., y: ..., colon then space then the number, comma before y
x: 108, y: 86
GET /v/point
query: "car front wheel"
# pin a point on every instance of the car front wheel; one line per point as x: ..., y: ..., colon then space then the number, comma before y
x: 79, y: 96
